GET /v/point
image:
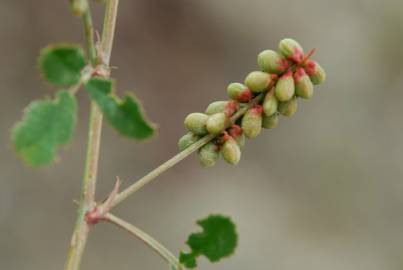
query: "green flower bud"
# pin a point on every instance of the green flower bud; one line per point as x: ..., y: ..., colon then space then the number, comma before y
x: 216, y: 123
x: 303, y: 84
x: 285, y: 88
x: 270, y: 103
x: 187, y: 140
x: 291, y: 50
x: 79, y: 7
x: 239, y: 92
x: 288, y: 108
x: 270, y: 121
x: 216, y: 107
x: 272, y: 62
x: 208, y: 154
x: 230, y: 151
x: 227, y: 107
x: 252, y: 122
x: 315, y: 72
x: 196, y: 123
x: 236, y: 132
x: 258, y: 81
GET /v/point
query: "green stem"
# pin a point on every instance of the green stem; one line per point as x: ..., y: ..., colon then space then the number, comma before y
x: 86, y: 203
x: 160, y: 169
x: 89, y: 36
x: 81, y: 230
x: 147, y: 239
x: 123, y: 195
x: 109, y: 29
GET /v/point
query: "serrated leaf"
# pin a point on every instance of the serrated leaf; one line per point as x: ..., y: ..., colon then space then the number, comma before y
x: 217, y: 240
x: 126, y: 115
x: 46, y: 125
x: 61, y: 64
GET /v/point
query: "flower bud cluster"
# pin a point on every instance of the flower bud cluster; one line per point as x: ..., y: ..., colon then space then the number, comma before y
x: 284, y: 76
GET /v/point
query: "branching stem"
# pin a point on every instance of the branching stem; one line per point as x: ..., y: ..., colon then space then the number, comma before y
x: 81, y: 229
x: 87, y: 200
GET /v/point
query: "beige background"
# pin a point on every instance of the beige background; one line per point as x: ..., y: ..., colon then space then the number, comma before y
x: 324, y: 190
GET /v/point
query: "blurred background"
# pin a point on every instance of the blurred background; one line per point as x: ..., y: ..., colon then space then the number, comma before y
x: 324, y: 190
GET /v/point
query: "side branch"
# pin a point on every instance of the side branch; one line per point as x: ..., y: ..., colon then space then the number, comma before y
x: 180, y: 156
x: 147, y: 239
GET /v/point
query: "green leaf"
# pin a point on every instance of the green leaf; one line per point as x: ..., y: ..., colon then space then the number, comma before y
x: 217, y: 240
x: 47, y: 124
x: 188, y: 260
x: 126, y: 115
x: 61, y: 64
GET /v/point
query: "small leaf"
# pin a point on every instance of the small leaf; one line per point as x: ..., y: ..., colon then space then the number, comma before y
x: 126, y: 115
x: 188, y: 260
x: 62, y: 64
x: 217, y: 240
x: 47, y: 124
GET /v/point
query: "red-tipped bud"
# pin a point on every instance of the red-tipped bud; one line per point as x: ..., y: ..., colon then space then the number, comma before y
x: 231, y: 151
x: 236, y: 132
x: 315, y: 72
x: 216, y: 107
x: 303, y: 84
x: 231, y: 107
x: 291, y: 49
x: 216, y: 123
x: 272, y: 62
x: 258, y: 81
x: 239, y: 92
x: 270, y: 103
x: 285, y: 88
x: 227, y: 107
x: 252, y: 122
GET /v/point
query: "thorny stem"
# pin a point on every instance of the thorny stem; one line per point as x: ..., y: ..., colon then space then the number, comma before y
x: 147, y: 239
x: 81, y: 229
x: 123, y: 195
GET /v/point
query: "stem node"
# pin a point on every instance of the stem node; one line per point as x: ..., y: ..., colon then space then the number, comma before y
x: 98, y: 212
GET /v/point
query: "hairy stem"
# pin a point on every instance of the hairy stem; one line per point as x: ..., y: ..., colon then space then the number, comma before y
x: 81, y: 229
x: 147, y: 239
x: 123, y: 195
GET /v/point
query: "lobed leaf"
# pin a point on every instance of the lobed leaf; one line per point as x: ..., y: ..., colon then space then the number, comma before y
x: 61, y: 64
x: 217, y: 240
x: 47, y: 124
x: 126, y: 115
